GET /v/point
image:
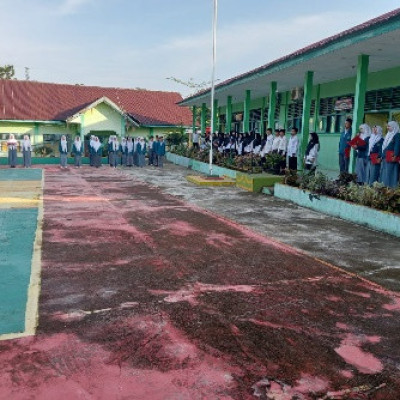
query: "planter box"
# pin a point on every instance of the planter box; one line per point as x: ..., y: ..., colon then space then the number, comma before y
x: 375, y: 219
x: 256, y: 182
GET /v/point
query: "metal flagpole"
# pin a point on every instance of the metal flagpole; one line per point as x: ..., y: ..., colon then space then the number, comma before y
x: 214, y: 60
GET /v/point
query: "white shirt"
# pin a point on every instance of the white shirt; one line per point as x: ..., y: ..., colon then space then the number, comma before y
x: 293, y: 146
x: 312, y: 156
x: 282, y: 145
x: 195, y: 137
x: 275, y: 143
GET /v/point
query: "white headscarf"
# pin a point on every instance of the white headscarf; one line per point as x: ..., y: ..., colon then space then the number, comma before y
x: 375, y: 138
x: 390, y: 135
x: 78, y: 143
x: 366, y: 131
x: 129, y: 145
x: 26, y: 144
x: 96, y: 143
x: 11, y: 141
x: 123, y: 144
x: 64, y: 143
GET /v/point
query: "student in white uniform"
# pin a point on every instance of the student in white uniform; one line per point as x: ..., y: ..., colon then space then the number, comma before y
x: 77, y: 151
x: 63, y: 148
x: 276, y: 141
x: 129, y: 152
x: 122, y: 149
x: 12, y: 145
x: 292, y: 149
x: 27, y: 151
x: 311, y: 154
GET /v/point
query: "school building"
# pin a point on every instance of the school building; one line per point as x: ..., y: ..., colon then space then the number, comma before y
x: 355, y: 73
x: 45, y: 111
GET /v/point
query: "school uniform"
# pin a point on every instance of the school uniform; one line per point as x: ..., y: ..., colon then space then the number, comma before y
x: 373, y: 170
x: 12, y: 145
x: 141, y: 149
x: 390, y: 170
x: 63, y: 149
x: 27, y: 153
x: 77, y: 151
x: 155, y: 152
x: 362, y: 161
x: 150, y: 152
x: 275, y: 144
x: 292, y: 149
x: 113, y: 148
x: 344, y: 150
x: 97, y: 154
x: 267, y: 149
x: 311, y: 156
x: 160, y: 154
x: 122, y: 149
x: 129, y: 153
x: 135, y: 153
x: 91, y: 152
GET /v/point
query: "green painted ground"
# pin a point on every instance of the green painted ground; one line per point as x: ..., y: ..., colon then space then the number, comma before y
x: 17, y: 234
x: 20, y: 174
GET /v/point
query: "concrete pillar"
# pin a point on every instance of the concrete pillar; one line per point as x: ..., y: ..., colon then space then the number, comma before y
x: 308, y: 86
x: 262, y: 115
x: 246, y: 112
x: 316, y: 111
x: 214, y: 124
x: 359, y: 99
x: 203, y: 118
x: 228, y: 115
x: 272, y: 104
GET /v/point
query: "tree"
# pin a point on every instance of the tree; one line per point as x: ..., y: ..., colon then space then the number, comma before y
x: 7, y: 72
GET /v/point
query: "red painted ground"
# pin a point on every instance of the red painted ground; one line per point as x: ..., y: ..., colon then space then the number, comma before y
x: 146, y: 297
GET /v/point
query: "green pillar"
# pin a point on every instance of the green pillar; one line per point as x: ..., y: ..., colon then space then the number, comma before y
x: 194, y: 111
x: 308, y: 86
x: 263, y: 101
x: 214, y: 124
x: 228, y: 115
x: 359, y: 99
x: 82, y: 131
x: 122, y: 130
x: 246, y: 112
x: 35, y: 134
x: 316, y: 110
x: 272, y: 105
x: 203, y: 118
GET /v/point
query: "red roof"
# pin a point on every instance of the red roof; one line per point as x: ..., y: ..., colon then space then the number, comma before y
x: 27, y: 100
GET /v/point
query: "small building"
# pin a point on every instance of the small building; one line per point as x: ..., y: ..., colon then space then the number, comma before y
x: 45, y: 111
x: 355, y: 73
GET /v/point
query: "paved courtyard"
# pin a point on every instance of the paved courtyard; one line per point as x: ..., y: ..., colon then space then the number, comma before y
x: 153, y: 288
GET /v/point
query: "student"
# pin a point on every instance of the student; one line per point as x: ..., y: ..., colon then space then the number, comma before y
x: 311, y: 154
x: 239, y: 144
x: 12, y: 145
x: 374, y: 155
x: 344, y: 147
x: 113, y: 147
x: 390, y: 152
x: 257, y: 144
x: 27, y: 151
x: 150, y: 150
x: 155, y: 151
x: 141, y: 149
x: 282, y: 149
x: 63, y: 148
x: 161, y: 152
x: 91, y: 151
x: 276, y: 141
x: 135, y: 152
x: 122, y: 149
x: 97, y: 152
x: 77, y: 151
x: 267, y: 149
x: 362, y: 153
x: 195, y: 140
x: 293, y: 147
x: 129, y: 152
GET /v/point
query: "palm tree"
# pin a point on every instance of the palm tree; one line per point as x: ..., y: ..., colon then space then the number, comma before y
x: 7, y: 72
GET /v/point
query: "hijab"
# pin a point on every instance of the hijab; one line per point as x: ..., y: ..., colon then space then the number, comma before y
x: 78, y: 143
x: 11, y: 141
x: 366, y: 131
x: 390, y: 135
x: 96, y: 143
x: 129, y: 144
x: 375, y: 138
x: 26, y: 144
x: 64, y: 143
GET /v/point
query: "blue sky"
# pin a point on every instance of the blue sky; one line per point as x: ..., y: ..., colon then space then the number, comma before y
x: 140, y: 43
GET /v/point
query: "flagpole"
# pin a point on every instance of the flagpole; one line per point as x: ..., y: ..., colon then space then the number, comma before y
x: 214, y: 60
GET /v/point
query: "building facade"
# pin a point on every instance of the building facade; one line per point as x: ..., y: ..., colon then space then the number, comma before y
x: 353, y: 74
x: 46, y: 111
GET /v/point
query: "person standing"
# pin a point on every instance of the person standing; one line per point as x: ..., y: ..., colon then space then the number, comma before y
x: 27, y: 151
x: 195, y: 139
x: 161, y: 152
x: 129, y: 152
x: 155, y: 151
x: 374, y: 155
x: 97, y: 152
x: 122, y: 149
x: 150, y: 150
x: 293, y: 148
x: 276, y: 142
x: 12, y: 145
x: 135, y: 151
x: 141, y: 149
x: 77, y: 151
x: 311, y: 154
x: 282, y: 149
x: 63, y: 148
x: 344, y: 147
x: 361, y: 150
x: 390, y: 153
x: 113, y: 147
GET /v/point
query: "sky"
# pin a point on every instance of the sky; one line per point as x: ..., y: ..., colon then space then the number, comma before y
x: 141, y: 43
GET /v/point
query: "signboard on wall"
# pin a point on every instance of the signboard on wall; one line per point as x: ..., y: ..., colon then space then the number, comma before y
x: 344, y: 104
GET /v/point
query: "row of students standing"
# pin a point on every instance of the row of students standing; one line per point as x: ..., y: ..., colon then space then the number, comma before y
x: 26, y: 147
x: 377, y: 157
